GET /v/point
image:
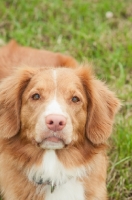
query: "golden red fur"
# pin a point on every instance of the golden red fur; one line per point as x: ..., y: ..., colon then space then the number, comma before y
x: 75, y: 155
x: 13, y: 55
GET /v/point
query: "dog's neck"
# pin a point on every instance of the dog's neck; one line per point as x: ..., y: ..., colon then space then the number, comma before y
x: 52, y: 172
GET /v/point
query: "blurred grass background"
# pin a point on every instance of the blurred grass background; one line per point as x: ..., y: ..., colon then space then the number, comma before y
x: 97, y: 31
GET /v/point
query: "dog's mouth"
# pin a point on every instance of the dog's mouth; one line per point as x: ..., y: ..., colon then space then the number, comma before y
x: 53, y: 139
x: 52, y: 142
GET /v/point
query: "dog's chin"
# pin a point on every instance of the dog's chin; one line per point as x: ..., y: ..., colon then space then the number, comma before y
x: 52, y: 143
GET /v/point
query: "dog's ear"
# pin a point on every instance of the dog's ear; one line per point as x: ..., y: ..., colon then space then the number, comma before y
x: 11, y: 89
x: 102, y: 107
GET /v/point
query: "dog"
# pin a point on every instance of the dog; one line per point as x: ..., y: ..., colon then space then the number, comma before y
x: 54, y: 124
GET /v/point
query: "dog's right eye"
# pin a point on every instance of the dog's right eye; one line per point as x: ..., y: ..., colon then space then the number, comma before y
x: 75, y: 99
x: 36, y: 96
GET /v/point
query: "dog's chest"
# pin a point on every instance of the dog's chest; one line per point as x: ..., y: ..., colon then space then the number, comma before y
x: 62, y: 181
x: 72, y: 190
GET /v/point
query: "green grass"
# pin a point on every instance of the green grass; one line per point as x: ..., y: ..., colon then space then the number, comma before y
x: 80, y: 28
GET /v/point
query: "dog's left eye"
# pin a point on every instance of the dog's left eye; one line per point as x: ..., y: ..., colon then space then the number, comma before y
x: 35, y: 96
x: 75, y: 99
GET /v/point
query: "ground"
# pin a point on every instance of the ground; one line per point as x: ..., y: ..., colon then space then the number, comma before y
x: 95, y: 31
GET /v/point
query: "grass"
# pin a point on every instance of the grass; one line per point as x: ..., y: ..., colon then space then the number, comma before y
x: 81, y: 29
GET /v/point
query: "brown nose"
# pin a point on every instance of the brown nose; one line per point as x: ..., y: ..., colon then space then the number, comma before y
x: 55, y: 122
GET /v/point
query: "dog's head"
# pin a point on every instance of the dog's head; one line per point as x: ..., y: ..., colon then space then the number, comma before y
x: 56, y: 107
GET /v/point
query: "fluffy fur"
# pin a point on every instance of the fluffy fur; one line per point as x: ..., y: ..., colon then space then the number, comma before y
x: 40, y: 163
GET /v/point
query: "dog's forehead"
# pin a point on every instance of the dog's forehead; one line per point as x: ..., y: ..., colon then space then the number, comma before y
x: 60, y: 77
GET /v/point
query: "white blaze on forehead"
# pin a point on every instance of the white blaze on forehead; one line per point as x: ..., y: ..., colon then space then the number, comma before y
x: 54, y: 107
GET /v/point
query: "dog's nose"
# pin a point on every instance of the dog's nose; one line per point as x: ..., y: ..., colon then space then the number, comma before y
x: 55, y: 122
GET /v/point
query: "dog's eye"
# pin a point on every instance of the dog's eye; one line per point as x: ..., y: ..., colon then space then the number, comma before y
x: 35, y: 96
x: 75, y: 99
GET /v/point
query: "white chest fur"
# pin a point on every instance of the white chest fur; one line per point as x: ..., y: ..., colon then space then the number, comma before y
x: 67, y: 185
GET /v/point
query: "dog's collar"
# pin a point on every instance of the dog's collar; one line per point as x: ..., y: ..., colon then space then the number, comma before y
x: 53, y: 184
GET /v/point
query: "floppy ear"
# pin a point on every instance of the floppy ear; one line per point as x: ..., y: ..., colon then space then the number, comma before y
x: 102, y: 107
x: 11, y: 89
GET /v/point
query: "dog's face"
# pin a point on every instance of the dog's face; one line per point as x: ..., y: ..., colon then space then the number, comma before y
x: 54, y: 108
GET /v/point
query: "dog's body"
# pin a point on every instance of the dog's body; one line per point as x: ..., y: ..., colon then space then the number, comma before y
x: 54, y: 123
x: 13, y: 55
